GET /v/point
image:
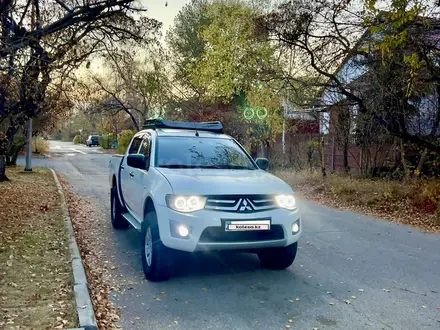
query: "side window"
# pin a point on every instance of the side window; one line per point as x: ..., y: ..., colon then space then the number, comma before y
x: 146, y: 148
x: 134, y: 147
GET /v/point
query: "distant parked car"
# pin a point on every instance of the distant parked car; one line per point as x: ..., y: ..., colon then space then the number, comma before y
x: 93, y: 140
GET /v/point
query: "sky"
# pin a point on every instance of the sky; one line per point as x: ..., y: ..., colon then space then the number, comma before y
x: 156, y: 10
x: 162, y: 13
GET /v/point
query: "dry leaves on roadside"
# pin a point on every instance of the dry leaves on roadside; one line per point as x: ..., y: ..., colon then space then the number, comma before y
x: 36, y: 283
x: 88, y: 233
x: 398, y: 210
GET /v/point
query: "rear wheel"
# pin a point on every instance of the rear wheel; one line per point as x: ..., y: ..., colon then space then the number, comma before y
x: 156, y: 257
x: 118, y: 221
x: 278, y: 258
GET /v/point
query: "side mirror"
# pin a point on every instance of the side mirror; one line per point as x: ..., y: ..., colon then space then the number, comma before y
x: 262, y: 163
x: 137, y: 161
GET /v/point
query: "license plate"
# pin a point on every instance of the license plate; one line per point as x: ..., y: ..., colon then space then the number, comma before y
x: 243, y: 225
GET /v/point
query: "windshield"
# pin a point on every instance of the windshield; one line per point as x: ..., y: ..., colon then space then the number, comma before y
x: 197, y: 152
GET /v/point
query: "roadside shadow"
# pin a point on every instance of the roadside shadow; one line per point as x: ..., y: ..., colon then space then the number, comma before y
x: 187, y: 264
x: 214, y: 263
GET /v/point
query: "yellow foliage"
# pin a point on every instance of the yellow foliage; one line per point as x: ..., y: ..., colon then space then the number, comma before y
x: 40, y: 146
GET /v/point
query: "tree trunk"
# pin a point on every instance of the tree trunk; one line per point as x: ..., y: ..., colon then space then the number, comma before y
x: 422, y: 161
x: 3, y: 176
x: 405, y: 165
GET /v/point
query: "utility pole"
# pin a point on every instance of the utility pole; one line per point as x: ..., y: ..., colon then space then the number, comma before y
x: 28, y: 167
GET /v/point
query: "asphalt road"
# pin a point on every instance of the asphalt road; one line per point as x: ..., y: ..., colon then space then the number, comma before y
x: 389, y: 273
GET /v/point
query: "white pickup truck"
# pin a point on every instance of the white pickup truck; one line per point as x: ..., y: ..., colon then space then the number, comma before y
x: 189, y: 187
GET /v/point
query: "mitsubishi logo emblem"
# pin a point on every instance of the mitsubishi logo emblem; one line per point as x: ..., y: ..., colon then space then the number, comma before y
x: 245, y: 205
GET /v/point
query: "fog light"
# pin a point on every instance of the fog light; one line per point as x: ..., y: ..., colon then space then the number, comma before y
x: 295, y: 228
x: 183, y: 231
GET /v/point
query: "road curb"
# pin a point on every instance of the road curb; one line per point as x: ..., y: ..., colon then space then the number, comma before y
x: 84, y: 305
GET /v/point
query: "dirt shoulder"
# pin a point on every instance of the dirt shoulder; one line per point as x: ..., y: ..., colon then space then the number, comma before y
x: 87, y: 221
x: 415, y: 203
x: 36, y: 281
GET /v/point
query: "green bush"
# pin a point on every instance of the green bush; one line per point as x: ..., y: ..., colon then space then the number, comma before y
x: 76, y: 139
x: 124, y: 140
x: 107, y: 141
x: 104, y: 141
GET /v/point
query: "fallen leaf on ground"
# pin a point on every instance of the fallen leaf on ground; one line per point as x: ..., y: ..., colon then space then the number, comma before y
x: 290, y: 321
x: 361, y: 290
x: 353, y: 297
x: 347, y: 302
x: 297, y: 299
x: 287, y: 326
x: 386, y: 290
x: 331, y: 304
x: 90, y: 233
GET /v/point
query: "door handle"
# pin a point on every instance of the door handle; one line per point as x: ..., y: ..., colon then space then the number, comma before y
x: 122, y: 167
x: 132, y: 174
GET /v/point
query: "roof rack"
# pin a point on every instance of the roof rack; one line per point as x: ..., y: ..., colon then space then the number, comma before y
x: 212, y: 126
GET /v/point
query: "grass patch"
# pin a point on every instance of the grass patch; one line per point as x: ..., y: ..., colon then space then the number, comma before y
x: 36, y: 281
x: 413, y: 202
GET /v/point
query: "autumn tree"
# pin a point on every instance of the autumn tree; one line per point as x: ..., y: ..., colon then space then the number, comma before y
x: 224, y: 62
x: 43, y: 42
x: 133, y: 81
x: 388, y: 55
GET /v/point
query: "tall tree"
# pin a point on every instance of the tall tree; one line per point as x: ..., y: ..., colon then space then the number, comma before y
x: 331, y: 36
x: 44, y: 40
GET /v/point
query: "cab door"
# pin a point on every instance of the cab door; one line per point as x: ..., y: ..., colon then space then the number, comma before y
x: 127, y: 174
x: 143, y: 178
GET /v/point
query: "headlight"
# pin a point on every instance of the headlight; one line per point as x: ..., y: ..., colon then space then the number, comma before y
x: 286, y: 202
x: 185, y: 203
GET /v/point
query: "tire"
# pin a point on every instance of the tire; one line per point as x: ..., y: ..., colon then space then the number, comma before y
x: 118, y: 221
x: 278, y: 258
x: 156, y: 257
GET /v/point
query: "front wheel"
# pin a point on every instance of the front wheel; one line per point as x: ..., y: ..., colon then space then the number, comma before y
x: 118, y: 221
x: 156, y: 257
x: 278, y: 258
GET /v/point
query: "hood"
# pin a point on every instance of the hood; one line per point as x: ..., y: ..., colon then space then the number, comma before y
x: 224, y: 182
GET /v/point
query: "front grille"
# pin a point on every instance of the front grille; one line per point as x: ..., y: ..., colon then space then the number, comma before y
x: 240, y: 203
x: 218, y: 235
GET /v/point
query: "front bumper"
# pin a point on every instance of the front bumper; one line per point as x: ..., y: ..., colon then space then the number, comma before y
x: 207, y: 230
